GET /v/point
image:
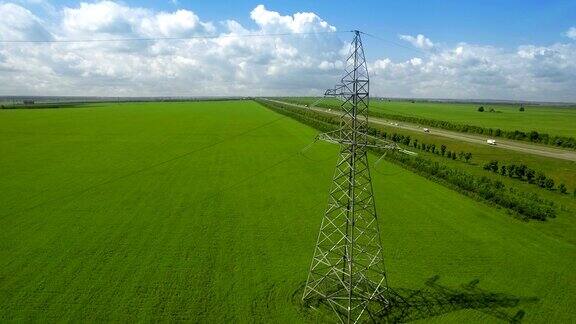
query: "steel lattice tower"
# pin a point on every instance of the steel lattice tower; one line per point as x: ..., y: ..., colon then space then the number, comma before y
x: 347, y: 269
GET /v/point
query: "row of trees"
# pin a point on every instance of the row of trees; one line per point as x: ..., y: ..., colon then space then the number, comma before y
x: 528, y: 205
x: 525, y: 204
x: 441, y: 150
x: 523, y: 172
x: 532, y: 136
x: 311, y: 118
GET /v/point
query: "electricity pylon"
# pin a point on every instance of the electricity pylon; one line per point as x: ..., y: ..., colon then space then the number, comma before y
x: 347, y: 269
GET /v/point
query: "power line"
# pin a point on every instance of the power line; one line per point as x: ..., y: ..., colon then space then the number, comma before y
x: 152, y: 39
x: 396, y: 44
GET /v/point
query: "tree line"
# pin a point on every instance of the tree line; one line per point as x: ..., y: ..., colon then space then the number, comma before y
x: 523, y: 172
x: 311, y: 118
x: 528, y: 205
x: 441, y: 150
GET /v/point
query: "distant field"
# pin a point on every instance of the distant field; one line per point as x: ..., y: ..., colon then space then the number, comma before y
x: 205, y: 212
x: 551, y: 120
x: 545, y: 119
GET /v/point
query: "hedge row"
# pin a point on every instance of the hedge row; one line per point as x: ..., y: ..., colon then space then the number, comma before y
x: 523, y: 172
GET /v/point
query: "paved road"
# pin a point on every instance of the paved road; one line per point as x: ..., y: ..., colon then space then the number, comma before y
x: 465, y: 137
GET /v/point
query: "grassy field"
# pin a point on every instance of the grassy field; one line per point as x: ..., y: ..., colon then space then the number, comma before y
x: 206, y: 212
x: 545, y: 119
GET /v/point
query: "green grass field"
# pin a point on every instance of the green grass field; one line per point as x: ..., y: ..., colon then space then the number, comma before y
x: 545, y: 119
x: 206, y: 212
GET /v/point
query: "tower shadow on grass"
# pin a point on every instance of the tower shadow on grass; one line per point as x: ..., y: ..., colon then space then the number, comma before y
x: 402, y: 305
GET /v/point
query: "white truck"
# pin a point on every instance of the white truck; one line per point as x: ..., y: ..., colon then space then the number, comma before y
x: 491, y: 141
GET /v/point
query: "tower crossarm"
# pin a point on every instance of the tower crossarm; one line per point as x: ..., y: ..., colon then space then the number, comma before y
x: 373, y: 142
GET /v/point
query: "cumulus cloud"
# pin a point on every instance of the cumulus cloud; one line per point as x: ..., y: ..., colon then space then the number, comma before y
x: 471, y: 71
x: 418, y: 41
x: 301, y: 22
x: 571, y: 33
x: 225, y: 64
x: 221, y: 65
x: 18, y: 23
x: 110, y: 18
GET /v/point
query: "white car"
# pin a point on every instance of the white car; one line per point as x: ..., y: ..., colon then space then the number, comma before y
x: 426, y: 130
x: 491, y: 141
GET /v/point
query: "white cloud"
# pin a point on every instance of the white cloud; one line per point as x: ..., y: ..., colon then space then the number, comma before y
x: 301, y: 64
x: 416, y: 61
x: 105, y: 17
x: 571, y: 33
x: 471, y: 71
x: 217, y: 66
x: 181, y: 23
x: 18, y: 23
x: 301, y: 22
x: 111, y: 18
x: 420, y: 41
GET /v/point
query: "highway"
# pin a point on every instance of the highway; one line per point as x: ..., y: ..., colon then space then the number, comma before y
x: 524, y: 147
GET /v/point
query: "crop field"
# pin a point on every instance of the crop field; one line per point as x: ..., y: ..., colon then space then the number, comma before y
x: 208, y: 212
x: 553, y: 120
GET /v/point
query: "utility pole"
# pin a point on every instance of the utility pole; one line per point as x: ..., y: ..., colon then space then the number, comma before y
x: 347, y: 270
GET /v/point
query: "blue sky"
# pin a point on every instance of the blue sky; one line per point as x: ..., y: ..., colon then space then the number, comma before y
x: 491, y: 22
x: 465, y: 46
x: 506, y: 24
